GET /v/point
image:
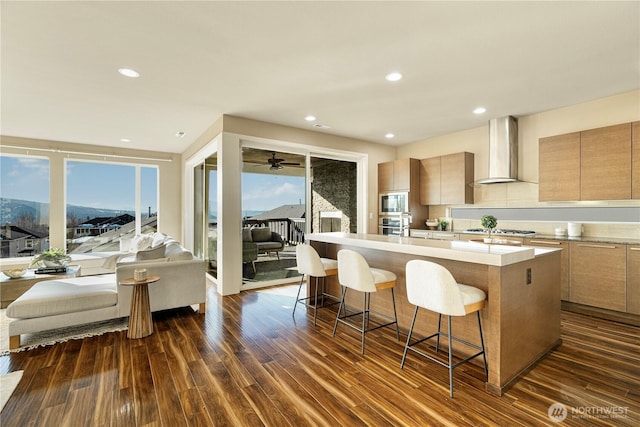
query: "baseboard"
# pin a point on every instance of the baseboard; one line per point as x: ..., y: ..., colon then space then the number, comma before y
x: 602, y: 313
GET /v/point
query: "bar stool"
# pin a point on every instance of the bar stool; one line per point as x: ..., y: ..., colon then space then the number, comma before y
x: 432, y: 287
x: 355, y: 273
x: 311, y: 265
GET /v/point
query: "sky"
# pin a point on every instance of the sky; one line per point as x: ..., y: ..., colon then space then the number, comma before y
x: 263, y: 192
x: 111, y: 186
x: 91, y: 184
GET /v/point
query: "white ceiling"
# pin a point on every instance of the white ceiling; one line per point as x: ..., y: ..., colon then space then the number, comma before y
x: 279, y: 61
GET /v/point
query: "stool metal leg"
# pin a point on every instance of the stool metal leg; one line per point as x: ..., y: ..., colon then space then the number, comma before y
x: 298, y: 296
x: 335, y: 326
x: 365, y: 319
x: 395, y: 313
x: 450, y: 357
x: 406, y: 346
x: 484, y: 355
x: 438, y: 339
x: 315, y: 305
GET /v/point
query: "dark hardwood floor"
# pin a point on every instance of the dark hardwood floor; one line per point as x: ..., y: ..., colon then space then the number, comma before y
x: 249, y: 363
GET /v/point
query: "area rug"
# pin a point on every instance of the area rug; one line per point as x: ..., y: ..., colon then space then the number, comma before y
x: 53, y: 336
x: 8, y: 384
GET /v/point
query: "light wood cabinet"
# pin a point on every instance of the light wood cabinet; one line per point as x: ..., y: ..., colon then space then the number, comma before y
x: 559, y: 167
x: 596, y: 164
x: 397, y: 175
x: 605, y: 163
x: 633, y: 279
x: 385, y: 177
x: 564, y: 260
x: 447, y: 180
x: 430, y: 181
x: 598, y: 273
x: 456, y: 178
x: 635, y: 160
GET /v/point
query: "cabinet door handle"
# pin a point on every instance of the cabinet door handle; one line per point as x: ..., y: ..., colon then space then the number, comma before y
x: 546, y: 243
x: 597, y: 246
x: 634, y: 249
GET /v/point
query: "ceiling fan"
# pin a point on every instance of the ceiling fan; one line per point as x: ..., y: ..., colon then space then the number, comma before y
x: 279, y: 163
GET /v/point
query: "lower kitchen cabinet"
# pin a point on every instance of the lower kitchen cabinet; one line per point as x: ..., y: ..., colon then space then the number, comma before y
x: 633, y: 279
x: 598, y: 275
x: 564, y: 260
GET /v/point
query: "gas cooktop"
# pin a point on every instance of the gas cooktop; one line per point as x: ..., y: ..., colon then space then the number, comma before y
x: 503, y: 231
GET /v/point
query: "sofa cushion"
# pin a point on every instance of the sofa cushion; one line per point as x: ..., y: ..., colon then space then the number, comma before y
x: 261, y: 234
x: 246, y: 235
x: 52, y: 297
x: 125, y: 244
x: 175, y: 252
x: 149, y: 254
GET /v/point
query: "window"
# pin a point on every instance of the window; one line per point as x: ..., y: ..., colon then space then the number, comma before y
x: 24, y: 206
x: 106, y: 202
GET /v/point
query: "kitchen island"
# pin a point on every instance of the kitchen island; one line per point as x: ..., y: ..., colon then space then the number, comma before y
x: 521, y: 320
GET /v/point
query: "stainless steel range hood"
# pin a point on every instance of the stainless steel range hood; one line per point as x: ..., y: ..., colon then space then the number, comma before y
x: 503, y: 151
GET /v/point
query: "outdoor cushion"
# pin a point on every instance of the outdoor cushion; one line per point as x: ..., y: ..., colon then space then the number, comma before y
x: 263, y: 246
x: 52, y: 297
x: 261, y: 234
x: 246, y: 235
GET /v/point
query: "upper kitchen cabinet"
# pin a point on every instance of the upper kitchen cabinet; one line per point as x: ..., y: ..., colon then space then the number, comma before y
x: 559, y: 167
x: 447, y: 180
x: 635, y: 160
x: 605, y: 163
x: 398, y: 175
x: 430, y: 181
x: 594, y: 164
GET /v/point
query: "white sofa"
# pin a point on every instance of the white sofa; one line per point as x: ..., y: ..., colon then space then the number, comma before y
x: 59, y: 303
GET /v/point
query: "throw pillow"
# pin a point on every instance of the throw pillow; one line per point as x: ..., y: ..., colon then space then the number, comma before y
x: 261, y: 234
x: 155, y: 253
x: 158, y: 239
x: 141, y: 242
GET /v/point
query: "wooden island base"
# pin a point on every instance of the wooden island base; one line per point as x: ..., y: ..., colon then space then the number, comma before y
x: 521, y: 320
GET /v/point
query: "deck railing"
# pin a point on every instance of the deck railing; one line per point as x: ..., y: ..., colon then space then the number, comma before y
x: 291, y: 229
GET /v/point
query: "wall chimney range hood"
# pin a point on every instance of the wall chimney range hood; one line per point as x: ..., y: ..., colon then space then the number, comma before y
x: 503, y: 151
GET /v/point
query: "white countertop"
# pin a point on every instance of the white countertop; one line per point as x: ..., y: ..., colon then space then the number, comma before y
x: 474, y: 252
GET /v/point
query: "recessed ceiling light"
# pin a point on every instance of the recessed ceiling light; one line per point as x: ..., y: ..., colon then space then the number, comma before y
x: 128, y: 72
x: 393, y: 77
x: 320, y: 126
x: 310, y: 118
x: 389, y: 135
x: 480, y: 110
x: 180, y: 134
x: 125, y: 140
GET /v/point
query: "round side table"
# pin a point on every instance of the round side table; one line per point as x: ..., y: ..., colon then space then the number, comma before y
x: 140, y: 322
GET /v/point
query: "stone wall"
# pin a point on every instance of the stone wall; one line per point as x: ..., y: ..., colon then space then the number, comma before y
x: 334, y: 188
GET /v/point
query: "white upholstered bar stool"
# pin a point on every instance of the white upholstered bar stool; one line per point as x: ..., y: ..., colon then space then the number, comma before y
x: 354, y: 273
x: 309, y: 265
x: 432, y: 287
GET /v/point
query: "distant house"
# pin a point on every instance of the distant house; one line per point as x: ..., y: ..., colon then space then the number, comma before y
x: 284, y: 211
x: 17, y: 241
x: 100, y: 225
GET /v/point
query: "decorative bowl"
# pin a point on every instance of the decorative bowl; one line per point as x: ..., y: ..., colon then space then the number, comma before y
x: 431, y: 224
x: 14, y: 273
